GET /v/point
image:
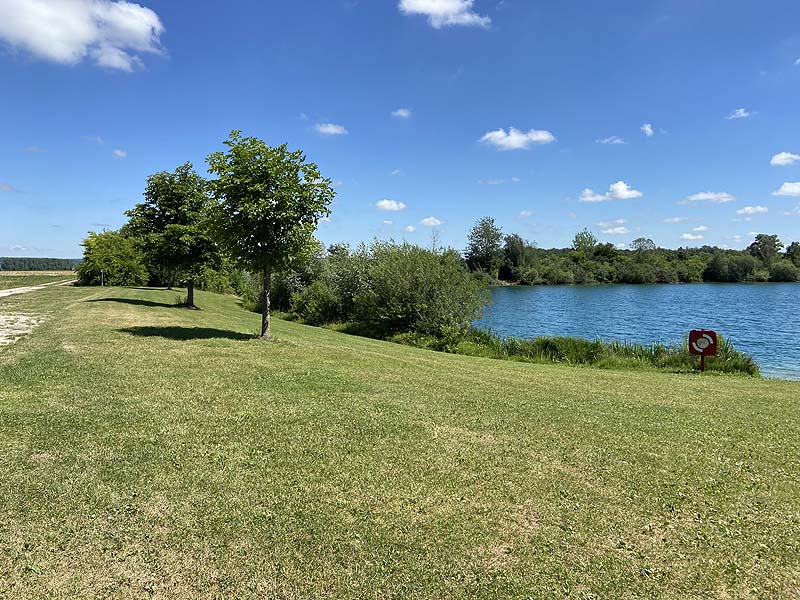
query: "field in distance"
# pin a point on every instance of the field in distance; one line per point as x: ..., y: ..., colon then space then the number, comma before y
x: 147, y: 450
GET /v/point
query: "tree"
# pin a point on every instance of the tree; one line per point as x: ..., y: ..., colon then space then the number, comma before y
x: 484, y: 246
x: 270, y: 202
x: 643, y: 244
x: 171, y: 225
x: 765, y: 248
x: 111, y: 258
x: 584, y: 241
x: 793, y: 253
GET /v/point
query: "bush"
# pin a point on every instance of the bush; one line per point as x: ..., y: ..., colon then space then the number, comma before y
x: 111, y: 258
x: 784, y: 270
x: 409, y: 288
x: 317, y: 304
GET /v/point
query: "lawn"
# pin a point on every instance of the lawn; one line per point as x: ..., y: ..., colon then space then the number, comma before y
x: 11, y: 279
x: 153, y: 451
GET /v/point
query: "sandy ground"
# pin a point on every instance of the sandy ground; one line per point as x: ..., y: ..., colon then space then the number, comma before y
x: 13, y: 326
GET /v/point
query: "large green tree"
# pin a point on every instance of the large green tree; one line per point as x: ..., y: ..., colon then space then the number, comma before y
x: 171, y: 225
x: 270, y: 201
x: 484, y: 246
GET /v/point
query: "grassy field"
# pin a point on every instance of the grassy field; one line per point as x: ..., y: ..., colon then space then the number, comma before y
x: 148, y: 451
x: 11, y: 279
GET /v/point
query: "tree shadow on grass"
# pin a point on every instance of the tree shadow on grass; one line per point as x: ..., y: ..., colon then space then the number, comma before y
x: 187, y: 333
x: 138, y: 302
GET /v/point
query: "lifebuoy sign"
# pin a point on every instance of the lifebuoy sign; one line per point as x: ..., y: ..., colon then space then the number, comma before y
x: 702, y: 343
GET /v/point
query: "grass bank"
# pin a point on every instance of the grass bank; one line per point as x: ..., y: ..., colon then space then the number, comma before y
x: 153, y: 451
x: 597, y: 353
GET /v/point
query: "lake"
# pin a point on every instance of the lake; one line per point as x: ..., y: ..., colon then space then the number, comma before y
x: 761, y: 319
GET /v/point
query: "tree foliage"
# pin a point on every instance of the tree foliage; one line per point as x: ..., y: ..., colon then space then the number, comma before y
x: 270, y: 201
x: 111, y: 258
x: 171, y: 226
x: 484, y: 246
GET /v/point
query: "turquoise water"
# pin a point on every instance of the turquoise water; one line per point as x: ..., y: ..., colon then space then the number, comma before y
x: 762, y: 319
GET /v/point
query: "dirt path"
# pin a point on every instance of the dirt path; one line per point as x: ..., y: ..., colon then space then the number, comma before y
x: 30, y: 288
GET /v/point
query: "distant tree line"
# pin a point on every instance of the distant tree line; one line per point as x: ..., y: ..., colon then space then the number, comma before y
x: 510, y: 258
x: 12, y: 263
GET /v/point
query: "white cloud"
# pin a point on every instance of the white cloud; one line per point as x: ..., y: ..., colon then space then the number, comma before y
x: 118, y: 153
x: 614, y: 140
x: 752, y: 210
x: 788, y: 189
x: 390, y: 205
x: 700, y: 228
x: 616, y: 231
x: 330, y: 129
x: 112, y: 34
x: 524, y: 214
x: 402, y: 113
x: 797, y: 62
x: 303, y: 116
x: 617, y: 191
x: 647, y: 129
x: 397, y: 172
x: 712, y: 197
x: 442, y: 13
x: 388, y: 222
x: 739, y: 113
x: 95, y: 139
x: 498, y: 181
x: 431, y: 222
x: 410, y: 229
x: 676, y: 220
x: 8, y: 188
x: 691, y: 238
x: 612, y: 223
x: 784, y: 159
x: 795, y: 212
x: 621, y: 245
x: 516, y: 139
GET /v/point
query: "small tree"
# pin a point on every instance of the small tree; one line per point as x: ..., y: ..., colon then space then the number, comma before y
x: 765, y: 248
x: 643, y: 244
x: 171, y: 225
x: 484, y: 246
x: 112, y: 259
x: 270, y: 202
x: 584, y: 241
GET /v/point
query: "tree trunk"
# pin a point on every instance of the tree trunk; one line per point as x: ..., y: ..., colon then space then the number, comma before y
x: 265, y: 325
x: 190, y: 293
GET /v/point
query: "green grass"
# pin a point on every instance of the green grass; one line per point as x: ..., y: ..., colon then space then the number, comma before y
x: 12, y: 279
x: 674, y: 358
x: 152, y: 451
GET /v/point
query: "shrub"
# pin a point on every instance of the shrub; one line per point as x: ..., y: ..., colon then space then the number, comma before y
x: 317, y: 304
x: 409, y: 288
x: 783, y: 270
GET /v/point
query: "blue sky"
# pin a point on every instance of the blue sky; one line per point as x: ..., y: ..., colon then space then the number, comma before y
x: 444, y: 110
